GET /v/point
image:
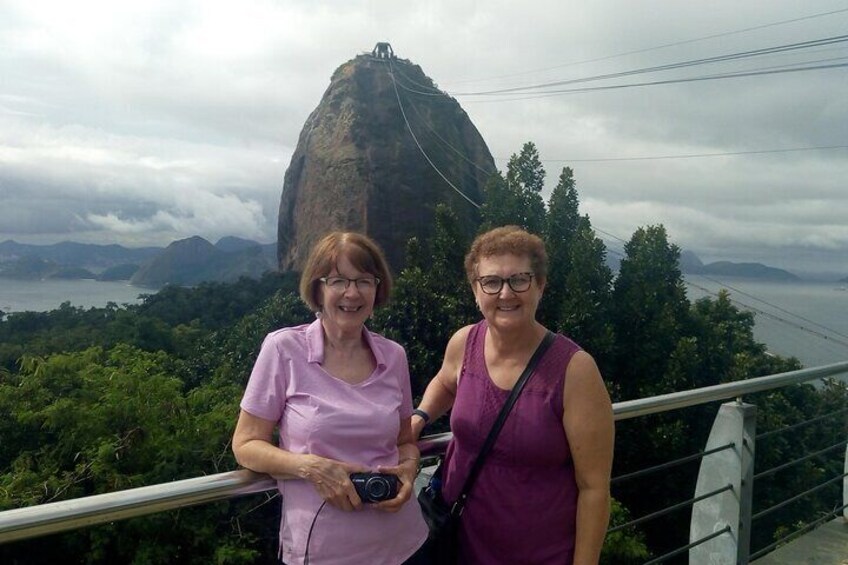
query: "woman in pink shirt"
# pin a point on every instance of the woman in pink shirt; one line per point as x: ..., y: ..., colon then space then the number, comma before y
x: 340, y: 397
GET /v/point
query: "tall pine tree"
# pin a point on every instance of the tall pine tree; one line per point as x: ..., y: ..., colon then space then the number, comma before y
x: 516, y: 199
x: 651, y: 311
x: 577, y: 297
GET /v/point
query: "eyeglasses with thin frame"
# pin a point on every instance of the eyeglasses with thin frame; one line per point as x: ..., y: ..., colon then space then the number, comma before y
x: 341, y: 284
x: 493, y: 284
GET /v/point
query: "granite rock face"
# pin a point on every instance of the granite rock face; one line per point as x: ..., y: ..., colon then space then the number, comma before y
x: 357, y: 166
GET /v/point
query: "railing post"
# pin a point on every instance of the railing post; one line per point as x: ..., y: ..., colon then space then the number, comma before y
x: 734, y: 424
x: 845, y: 486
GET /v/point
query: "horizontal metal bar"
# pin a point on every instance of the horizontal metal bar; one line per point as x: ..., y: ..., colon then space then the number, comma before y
x: 764, y: 435
x: 797, y: 497
x: 774, y: 470
x: 33, y: 521
x: 675, y: 400
x: 670, y: 509
x: 687, y: 547
x: 54, y: 517
x: 434, y: 445
x: 669, y: 464
x: 799, y: 532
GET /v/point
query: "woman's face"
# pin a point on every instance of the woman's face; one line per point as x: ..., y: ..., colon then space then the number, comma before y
x: 507, y: 309
x: 346, y: 309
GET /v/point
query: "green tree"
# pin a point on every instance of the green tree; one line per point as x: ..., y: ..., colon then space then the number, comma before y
x: 515, y: 199
x: 624, y: 546
x: 229, y: 354
x: 650, y: 319
x: 525, y: 176
x: 525, y: 170
x: 560, y: 231
x: 431, y: 299
x: 446, y: 271
x: 578, y: 293
x: 651, y: 312
x: 501, y: 206
x: 98, y: 421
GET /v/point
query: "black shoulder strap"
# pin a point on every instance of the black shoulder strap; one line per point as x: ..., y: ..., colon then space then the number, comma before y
x: 502, y: 416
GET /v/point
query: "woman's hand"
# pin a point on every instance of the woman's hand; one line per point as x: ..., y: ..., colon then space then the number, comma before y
x: 417, y: 424
x: 331, y: 480
x: 405, y: 471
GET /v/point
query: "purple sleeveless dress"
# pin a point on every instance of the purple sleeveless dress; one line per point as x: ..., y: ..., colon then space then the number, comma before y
x: 523, y: 506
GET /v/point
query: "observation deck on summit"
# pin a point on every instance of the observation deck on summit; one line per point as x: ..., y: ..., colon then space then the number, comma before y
x: 723, y: 511
x: 383, y: 50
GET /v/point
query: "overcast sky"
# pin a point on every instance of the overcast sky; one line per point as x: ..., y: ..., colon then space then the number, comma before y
x: 141, y: 125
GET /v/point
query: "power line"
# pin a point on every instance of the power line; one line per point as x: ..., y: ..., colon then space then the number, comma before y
x: 430, y: 127
x: 693, y: 155
x: 431, y: 88
x: 421, y: 149
x: 664, y: 82
x: 776, y: 317
x: 664, y: 46
x: 680, y: 64
x: 439, y: 139
x: 748, y: 307
x: 433, y: 92
x: 741, y: 304
x: 775, y: 306
x: 446, y: 142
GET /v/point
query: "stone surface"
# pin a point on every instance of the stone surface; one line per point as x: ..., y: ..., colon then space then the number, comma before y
x: 826, y: 545
x: 357, y: 167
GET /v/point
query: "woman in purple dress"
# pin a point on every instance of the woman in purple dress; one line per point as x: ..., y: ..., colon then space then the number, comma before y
x: 542, y: 495
x: 339, y: 396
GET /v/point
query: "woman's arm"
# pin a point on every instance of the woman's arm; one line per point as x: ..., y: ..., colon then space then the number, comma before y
x: 406, y: 470
x: 441, y: 391
x: 253, y: 448
x: 588, y: 423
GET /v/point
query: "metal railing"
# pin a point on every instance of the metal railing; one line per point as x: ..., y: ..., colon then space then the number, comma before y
x: 49, y: 518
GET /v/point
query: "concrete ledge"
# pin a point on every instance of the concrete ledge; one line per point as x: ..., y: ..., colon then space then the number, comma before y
x: 826, y: 545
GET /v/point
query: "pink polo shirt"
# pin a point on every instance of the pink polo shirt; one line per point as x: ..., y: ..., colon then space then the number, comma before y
x: 320, y: 414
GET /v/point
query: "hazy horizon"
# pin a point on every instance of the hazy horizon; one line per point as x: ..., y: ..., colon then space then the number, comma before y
x: 143, y: 124
x: 807, y: 275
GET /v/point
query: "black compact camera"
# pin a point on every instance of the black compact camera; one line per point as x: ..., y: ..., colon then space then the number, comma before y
x: 375, y: 487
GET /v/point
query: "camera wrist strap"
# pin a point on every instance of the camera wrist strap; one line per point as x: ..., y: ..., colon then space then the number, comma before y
x: 499, y: 422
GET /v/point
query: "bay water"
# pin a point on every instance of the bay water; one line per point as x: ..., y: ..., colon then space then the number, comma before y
x: 806, y: 320
x: 44, y: 295
x: 801, y: 319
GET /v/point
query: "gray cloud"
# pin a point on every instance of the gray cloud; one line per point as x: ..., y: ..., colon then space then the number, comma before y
x: 147, y: 123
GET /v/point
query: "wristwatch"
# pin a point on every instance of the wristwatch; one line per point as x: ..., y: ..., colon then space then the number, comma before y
x: 421, y: 414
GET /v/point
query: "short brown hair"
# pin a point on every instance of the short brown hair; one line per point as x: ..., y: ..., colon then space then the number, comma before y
x: 360, y: 249
x: 508, y: 240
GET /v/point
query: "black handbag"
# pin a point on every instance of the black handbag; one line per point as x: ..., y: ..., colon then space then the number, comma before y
x: 443, y: 518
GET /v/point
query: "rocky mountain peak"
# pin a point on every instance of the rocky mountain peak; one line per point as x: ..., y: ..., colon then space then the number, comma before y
x: 358, y: 167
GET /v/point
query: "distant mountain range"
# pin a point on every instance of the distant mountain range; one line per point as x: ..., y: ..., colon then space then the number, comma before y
x: 69, y: 253
x: 185, y: 262
x: 692, y: 264
x: 194, y: 260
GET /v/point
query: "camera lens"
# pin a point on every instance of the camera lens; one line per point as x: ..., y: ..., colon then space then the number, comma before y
x: 377, y: 488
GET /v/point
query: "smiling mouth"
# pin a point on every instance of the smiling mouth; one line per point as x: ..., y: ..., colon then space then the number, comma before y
x: 350, y: 308
x: 507, y: 308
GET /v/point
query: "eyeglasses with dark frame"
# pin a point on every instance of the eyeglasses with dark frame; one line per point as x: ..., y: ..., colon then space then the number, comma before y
x: 493, y: 284
x: 341, y: 284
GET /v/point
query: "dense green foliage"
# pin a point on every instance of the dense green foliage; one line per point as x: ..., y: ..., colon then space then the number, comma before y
x: 98, y: 400
x: 155, y: 400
